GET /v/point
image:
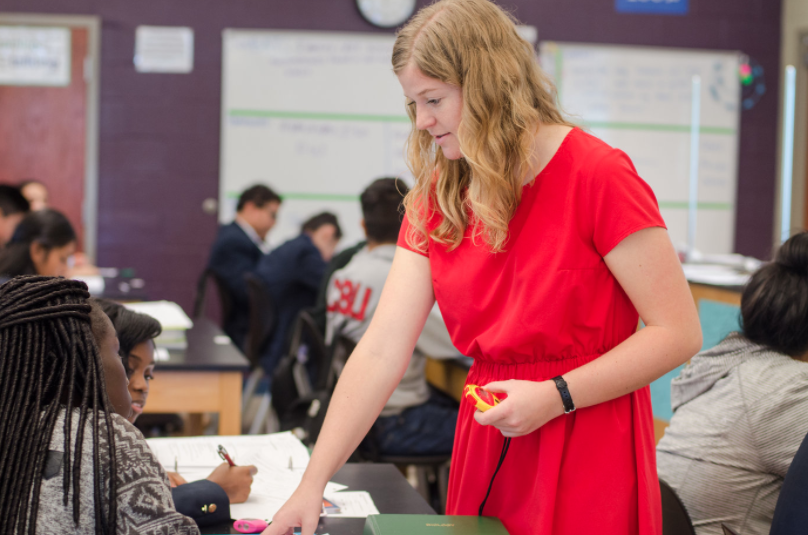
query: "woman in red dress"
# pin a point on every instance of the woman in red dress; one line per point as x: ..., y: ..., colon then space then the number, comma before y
x: 542, y: 246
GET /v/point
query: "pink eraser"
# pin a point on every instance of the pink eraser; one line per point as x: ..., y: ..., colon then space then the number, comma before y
x: 250, y: 525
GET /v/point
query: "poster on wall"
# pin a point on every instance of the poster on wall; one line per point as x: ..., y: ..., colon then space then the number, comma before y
x: 34, y: 55
x: 165, y: 49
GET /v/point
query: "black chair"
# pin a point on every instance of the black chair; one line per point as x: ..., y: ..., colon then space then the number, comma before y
x: 675, y: 519
x: 225, y: 298
x: 301, y: 376
x: 318, y: 357
x: 341, y: 348
x: 263, y: 317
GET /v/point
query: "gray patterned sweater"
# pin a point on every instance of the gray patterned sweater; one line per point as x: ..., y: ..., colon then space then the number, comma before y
x: 144, y: 500
x: 741, y: 412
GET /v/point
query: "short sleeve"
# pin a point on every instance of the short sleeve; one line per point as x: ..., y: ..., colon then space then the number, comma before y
x: 402, y: 238
x: 621, y: 202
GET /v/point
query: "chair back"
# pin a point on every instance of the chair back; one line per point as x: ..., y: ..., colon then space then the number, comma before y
x: 341, y: 349
x: 308, y: 344
x: 302, y: 376
x: 675, y: 519
x: 225, y: 297
x: 263, y: 317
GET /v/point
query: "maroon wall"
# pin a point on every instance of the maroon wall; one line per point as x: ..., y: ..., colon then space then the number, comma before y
x: 159, y: 133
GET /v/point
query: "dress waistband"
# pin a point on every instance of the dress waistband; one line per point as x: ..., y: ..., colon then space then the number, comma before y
x: 483, y: 371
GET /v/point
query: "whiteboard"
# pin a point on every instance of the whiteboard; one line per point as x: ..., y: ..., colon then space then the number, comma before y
x: 638, y: 99
x: 315, y: 115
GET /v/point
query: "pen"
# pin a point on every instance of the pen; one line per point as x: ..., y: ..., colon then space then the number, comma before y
x: 223, y: 454
x: 175, y: 464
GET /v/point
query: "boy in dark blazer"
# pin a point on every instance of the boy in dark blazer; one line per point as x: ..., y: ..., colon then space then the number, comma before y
x: 237, y: 250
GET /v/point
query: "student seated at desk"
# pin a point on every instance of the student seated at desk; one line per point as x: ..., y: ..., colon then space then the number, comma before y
x: 225, y: 485
x: 13, y: 208
x: 42, y: 244
x: 415, y: 421
x: 292, y: 274
x: 741, y: 408
x: 238, y: 248
x: 72, y: 463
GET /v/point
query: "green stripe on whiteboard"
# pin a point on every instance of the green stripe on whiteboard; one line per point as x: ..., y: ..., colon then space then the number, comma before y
x: 307, y: 196
x: 320, y: 197
x: 683, y: 205
x: 320, y: 116
x: 660, y: 127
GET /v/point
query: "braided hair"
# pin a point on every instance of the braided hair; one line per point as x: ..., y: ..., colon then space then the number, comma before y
x: 49, y: 363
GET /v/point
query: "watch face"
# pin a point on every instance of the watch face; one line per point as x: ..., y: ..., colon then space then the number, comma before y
x: 386, y: 13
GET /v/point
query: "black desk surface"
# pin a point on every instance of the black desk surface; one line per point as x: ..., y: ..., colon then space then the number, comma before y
x: 204, y: 353
x: 390, y: 492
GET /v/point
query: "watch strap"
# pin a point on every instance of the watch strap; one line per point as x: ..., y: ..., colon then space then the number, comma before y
x: 566, y: 398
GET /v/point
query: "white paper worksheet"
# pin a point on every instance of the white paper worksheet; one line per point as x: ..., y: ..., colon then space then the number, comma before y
x: 280, y: 459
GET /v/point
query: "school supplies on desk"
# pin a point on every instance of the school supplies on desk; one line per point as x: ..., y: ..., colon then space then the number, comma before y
x: 225, y: 457
x: 250, y: 525
x: 330, y: 508
x: 273, y: 485
x: 351, y: 504
x: 172, y: 318
x: 433, y: 525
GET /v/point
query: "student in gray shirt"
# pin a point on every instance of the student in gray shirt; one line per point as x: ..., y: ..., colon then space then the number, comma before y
x: 741, y: 408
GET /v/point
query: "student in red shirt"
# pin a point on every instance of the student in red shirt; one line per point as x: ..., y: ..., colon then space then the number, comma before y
x: 543, y: 247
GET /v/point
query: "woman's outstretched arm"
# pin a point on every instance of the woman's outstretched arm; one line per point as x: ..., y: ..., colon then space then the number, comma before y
x: 371, y: 374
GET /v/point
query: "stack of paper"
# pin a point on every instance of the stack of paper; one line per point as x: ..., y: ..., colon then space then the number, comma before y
x: 174, y: 320
x: 280, y: 458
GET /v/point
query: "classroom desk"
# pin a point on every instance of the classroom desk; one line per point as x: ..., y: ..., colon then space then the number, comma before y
x: 390, y: 492
x: 205, y: 377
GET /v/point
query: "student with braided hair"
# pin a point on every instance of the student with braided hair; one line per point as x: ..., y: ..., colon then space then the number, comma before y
x: 61, y: 434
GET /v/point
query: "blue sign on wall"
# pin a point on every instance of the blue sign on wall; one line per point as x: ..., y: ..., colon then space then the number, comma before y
x: 662, y: 7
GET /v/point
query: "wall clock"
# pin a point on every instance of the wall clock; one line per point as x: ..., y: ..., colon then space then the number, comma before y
x: 386, y: 13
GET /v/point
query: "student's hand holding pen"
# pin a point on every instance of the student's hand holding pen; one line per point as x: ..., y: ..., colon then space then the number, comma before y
x: 175, y: 479
x: 235, y: 480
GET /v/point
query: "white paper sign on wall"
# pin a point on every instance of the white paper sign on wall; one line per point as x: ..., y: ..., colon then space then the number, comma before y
x: 164, y: 49
x: 32, y: 55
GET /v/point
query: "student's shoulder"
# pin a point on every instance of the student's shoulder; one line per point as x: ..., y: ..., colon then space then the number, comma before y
x: 368, y: 264
x: 772, y: 377
x: 129, y: 437
x: 231, y: 232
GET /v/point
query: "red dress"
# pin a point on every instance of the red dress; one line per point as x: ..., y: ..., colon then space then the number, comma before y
x: 545, y: 306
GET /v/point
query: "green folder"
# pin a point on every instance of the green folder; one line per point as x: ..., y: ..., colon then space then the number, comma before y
x: 432, y: 525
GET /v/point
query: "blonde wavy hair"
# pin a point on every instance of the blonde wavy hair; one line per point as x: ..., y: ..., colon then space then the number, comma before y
x: 473, y: 44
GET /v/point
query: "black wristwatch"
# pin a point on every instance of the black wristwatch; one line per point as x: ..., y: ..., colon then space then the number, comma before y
x: 566, y: 398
